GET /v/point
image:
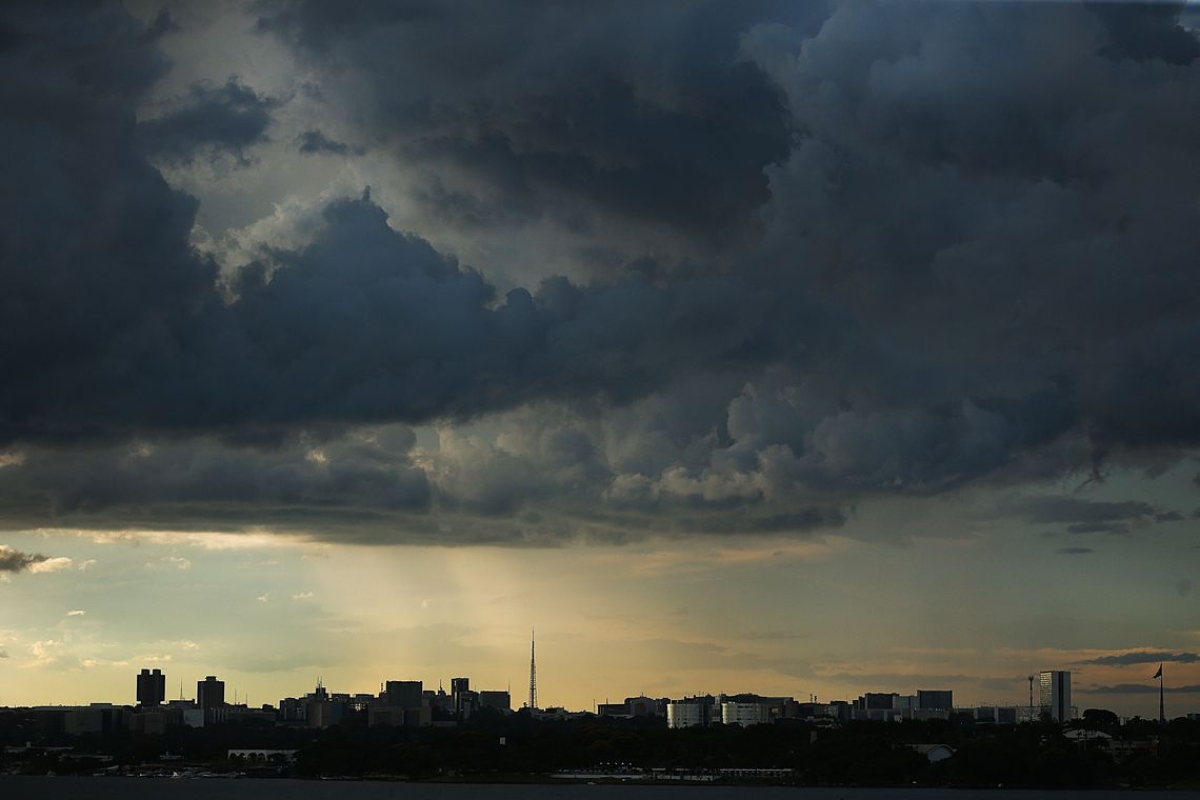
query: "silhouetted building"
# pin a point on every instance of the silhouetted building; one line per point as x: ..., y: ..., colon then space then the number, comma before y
x: 1056, y: 694
x: 210, y: 693
x: 941, y: 699
x: 441, y: 709
x: 465, y: 701
x: 149, y: 722
x: 403, y: 694
x: 990, y: 715
x: 293, y: 709
x: 876, y: 701
x: 151, y: 687
x: 320, y: 710
x: 640, y: 706
x: 498, y: 700
x: 402, y: 704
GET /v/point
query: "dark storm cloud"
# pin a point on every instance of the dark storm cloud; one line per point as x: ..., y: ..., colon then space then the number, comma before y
x: 229, y: 118
x: 644, y: 114
x: 976, y: 262
x: 1005, y: 240
x: 94, y: 257
x: 15, y: 561
x: 1144, y: 657
x: 1074, y: 551
x: 169, y: 485
x: 1143, y: 31
x: 314, y: 142
x: 396, y: 332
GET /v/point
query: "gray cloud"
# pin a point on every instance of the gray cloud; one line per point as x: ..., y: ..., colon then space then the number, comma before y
x: 1074, y: 551
x: 365, y: 477
x: 314, y: 142
x: 901, y: 261
x: 1144, y: 657
x: 1137, y: 688
x: 15, y: 561
x: 1086, y: 516
x: 228, y: 118
x: 522, y: 112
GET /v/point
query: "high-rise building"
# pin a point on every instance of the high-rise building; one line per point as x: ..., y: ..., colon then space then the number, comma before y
x: 403, y: 694
x: 465, y: 701
x: 1056, y: 694
x: 210, y: 693
x: 151, y: 687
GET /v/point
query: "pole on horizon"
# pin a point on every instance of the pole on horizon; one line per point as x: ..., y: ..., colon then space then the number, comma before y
x: 1162, y: 712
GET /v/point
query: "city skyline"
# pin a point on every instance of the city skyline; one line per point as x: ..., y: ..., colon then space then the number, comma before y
x: 799, y: 349
x: 408, y: 703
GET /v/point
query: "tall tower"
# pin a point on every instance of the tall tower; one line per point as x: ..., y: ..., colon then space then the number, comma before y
x: 1032, y: 713
x: 533, y: 670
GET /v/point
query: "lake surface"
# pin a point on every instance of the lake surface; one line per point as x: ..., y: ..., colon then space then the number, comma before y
x: 24, y: 788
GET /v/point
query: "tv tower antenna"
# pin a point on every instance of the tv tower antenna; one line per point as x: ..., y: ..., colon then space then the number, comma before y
x: 533, y: 669
x: 1031, y: 717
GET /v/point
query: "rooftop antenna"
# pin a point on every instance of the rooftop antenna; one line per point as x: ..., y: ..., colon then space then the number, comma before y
x: 533, y: 669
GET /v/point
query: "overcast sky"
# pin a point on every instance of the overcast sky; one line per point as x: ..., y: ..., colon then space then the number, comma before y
x: 797, y: 348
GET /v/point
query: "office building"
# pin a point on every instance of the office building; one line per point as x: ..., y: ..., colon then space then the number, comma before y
x: 940, y: 699
x: 498, y: 700
x: 404, y: 694
x: 691, y: 712
x: 210, y: 693
x: 465, y: 701
x: 151, y: 687
x: 745, y: 714
x: 1056, y: 694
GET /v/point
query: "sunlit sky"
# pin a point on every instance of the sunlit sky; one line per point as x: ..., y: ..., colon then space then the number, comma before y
x: 799, y: 349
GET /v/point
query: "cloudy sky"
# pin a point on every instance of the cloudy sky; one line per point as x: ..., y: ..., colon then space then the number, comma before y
x: 798, y: 348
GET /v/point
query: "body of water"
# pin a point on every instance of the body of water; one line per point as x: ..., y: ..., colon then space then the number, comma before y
x: 71, y: 788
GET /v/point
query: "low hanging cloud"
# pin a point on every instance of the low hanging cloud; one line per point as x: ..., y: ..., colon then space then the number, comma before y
x: 1138, y: 688
x: 313, y: 142
x: 1144, y: 657
x: 1089, y: 516
x: 894, y: 260
x: 12, y: 560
